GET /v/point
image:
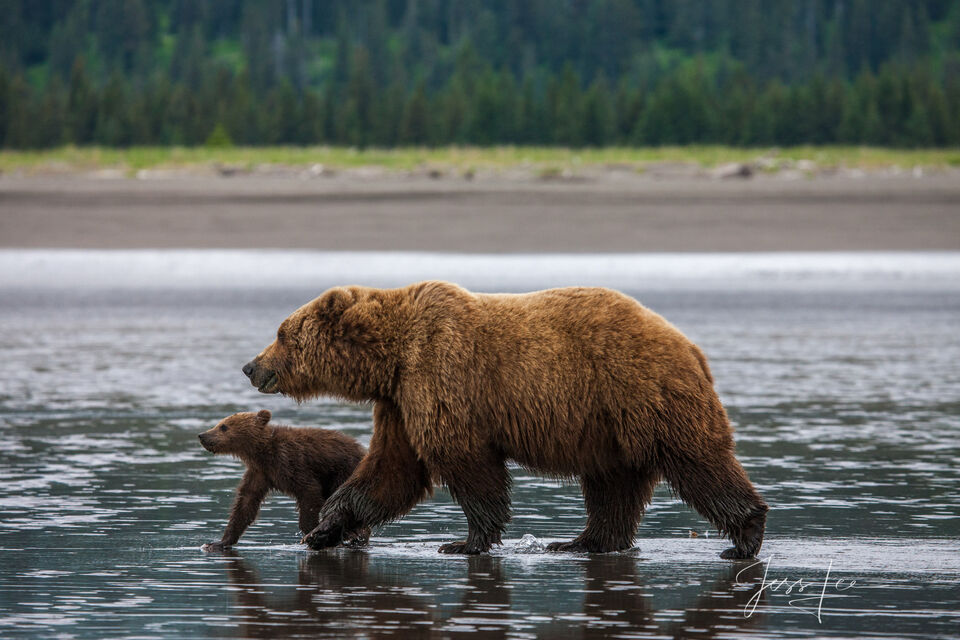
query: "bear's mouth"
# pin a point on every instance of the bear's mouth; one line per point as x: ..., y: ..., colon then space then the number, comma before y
x: 270, y: 384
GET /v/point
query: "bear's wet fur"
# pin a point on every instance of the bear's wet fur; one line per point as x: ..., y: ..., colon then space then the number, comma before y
x: 305, y: 464
x: 573, y: 382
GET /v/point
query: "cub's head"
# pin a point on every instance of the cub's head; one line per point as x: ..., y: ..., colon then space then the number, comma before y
x: 344, y: 344
x: 237, y: 434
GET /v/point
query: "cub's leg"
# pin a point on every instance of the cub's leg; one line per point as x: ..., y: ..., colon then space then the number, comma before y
x: 308, y: 509
x: 481, y: 486
x: 246, y: 505
x: 615, y: 503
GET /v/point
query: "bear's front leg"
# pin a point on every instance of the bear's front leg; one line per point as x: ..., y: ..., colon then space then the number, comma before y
x: 330, y: 532
x: 388, y: 482
x: 481, y: 486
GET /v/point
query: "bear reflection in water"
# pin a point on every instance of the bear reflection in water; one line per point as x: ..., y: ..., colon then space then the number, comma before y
x: 335, y: 592
x: 348, y: 593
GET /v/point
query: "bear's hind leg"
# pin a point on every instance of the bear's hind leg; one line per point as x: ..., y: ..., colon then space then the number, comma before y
x: 719, y: 489
x: 482, y: 489
x: 615, y: 503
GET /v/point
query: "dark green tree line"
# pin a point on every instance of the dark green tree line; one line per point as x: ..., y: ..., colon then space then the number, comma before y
x: 564, y: 72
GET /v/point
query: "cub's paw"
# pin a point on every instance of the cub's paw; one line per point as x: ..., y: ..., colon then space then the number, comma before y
x: 462, y: 547
x: 213, y: 547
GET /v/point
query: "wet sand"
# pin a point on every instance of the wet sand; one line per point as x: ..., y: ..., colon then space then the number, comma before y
x: 402, y: 213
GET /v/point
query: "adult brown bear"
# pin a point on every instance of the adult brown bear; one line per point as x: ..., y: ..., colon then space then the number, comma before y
x: 581, y: 382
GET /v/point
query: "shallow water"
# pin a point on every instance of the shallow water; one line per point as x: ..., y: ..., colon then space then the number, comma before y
x: 839, y: 373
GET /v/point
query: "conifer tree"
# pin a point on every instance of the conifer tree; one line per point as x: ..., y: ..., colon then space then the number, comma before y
x: 415, y: 125
x: 81, y: 110
x: 598, y: 118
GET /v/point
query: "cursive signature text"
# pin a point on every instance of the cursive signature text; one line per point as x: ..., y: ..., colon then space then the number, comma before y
x: 809, y: 594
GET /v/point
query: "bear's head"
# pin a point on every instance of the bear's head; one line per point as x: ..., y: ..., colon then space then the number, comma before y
x: 344, y: 343
x: 238, y: 435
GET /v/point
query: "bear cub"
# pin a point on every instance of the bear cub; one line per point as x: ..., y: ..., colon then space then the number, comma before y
x: 305, y: 464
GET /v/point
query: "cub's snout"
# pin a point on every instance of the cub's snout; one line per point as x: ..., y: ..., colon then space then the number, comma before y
x: 208, y: 441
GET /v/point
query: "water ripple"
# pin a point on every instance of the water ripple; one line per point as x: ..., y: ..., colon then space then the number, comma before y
x: 846, y: 405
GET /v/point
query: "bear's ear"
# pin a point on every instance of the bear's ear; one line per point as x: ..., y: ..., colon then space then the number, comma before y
x: 334, y: 302
x: 263, y: 416
x: 363, y: 323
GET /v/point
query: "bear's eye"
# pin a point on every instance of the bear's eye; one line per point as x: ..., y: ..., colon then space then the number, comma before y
x: 281, y: 337
x: 223, y: 427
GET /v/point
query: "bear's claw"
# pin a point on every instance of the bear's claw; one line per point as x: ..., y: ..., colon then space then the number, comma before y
x: 322, y: 539
x: 735, y: 554
x: 584, y: 546
x: 356, y: 539
x: 462, y: 547
x: 574, y: 546
x: 329, y: 533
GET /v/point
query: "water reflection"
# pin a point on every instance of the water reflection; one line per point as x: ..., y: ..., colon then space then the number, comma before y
x: 334, y: 592
x: 721, y: 609
x: 340, y: 590
x: 484, y: 610
x: 615, y: 597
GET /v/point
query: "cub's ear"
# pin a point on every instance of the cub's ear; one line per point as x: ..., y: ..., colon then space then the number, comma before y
x: 334, y: 302
x: 263, y: 416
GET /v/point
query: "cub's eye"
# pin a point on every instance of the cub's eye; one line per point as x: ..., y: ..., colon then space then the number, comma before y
x: 223, y: 427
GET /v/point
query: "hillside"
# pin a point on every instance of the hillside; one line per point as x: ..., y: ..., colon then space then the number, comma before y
x: 426, y: 72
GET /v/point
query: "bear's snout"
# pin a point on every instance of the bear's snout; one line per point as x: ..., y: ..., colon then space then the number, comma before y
x: 206, y: 441
x: 264, y: 379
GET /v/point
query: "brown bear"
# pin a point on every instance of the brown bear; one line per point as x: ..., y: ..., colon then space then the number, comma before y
x: 305, y: 464
x: 573, y: 382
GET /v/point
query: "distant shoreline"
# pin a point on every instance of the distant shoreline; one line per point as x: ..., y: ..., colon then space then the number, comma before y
x: 612, y: 210
x: 469, y: 162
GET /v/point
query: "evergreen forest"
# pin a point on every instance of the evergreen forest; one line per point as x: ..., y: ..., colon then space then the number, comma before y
x: 386, y: 73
